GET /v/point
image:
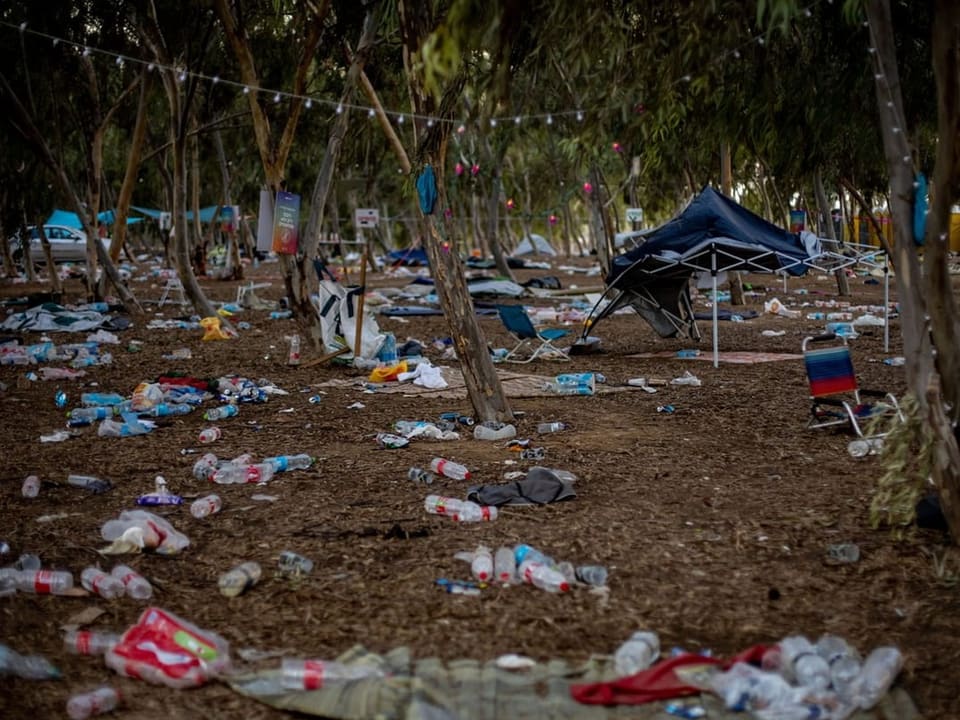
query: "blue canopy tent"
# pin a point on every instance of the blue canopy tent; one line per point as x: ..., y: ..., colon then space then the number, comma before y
x: 714, y: 235
x: 72, y: 220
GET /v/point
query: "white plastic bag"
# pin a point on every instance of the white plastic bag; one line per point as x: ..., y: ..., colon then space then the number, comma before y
x: 138, y: 530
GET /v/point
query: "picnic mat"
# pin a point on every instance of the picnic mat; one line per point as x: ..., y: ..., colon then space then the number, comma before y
x: 742, y: 357
x: 411, y: 688
x: 514, y: 385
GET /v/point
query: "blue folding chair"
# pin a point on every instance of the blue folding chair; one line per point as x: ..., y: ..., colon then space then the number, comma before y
x: 540, y: 343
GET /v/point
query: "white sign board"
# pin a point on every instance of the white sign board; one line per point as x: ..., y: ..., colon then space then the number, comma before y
x: 634, y: 215
x: 367, y: 217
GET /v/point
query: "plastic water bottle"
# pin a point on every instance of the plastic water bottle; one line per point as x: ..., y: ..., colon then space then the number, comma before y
x: 205, y: 465
x: 314, y: 674
x: 97, y: 702
x: 101, y: 399
x: 459, y: 510
x: 89, y: 642
x: 523, y: 553
x: 281, y: 314
x: 136, y: 585
x: 594, y: 575
x: 89, y: 482
x: 239, y: 579
x: 482, y: 564
x: 99, y: 582
x: 879, y: 671
x: 505, y: 565
x: 450, y: 469
x: 293, y: 564
x: 809, y: 669
x: 293, y: 356
x: 168, y: 409
x: 219, y: 413
x: 388, y: 350
x: 843, y: 660
x: 44, y: 582
x: 209, y: 435
x: 282, y: 463
x: 209, y: 505
x: 543, y: 576
x: 550, y: 427
x: 638, y: 653
x: 30, y: 487
x: 28, y: 667
x: 235, y: 474
x: 91, y: 414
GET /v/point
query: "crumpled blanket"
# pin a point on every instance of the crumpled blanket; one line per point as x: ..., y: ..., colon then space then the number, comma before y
x: 539, y: 487
x: 50, y: 317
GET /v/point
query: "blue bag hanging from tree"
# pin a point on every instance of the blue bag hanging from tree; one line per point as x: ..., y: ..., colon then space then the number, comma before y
x: 427, y: 189
x: 919, y: 209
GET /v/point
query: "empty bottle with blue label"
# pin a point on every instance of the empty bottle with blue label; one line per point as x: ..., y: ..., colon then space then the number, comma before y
x: 573, y: 384
x: 91, y: 413
x: 167, y: 409
x: 101, y: 399
x: 282, y: 463
x: 219, y: 413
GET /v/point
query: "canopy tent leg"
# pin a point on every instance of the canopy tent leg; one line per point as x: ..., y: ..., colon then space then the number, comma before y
x: 716, y: 329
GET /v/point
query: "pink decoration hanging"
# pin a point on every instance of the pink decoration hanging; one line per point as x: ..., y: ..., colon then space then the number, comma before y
x: 587, y: 188
x: 511, y: 204
x: 552, y: 219
x: 617, y: 147
x: 458, y: 169
x: 448, y: 213
x: 475, y: 170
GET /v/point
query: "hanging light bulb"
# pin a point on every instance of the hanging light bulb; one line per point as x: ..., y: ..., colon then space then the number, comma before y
x: 182, y: 76
x: 516, y: 120
x: 215, y: 79
x: 493, y: 122
x: 552, y: 219
x: 86, y: 52
x: 339, y: 108
x: 474, y: 169
x: 276, y: 98
x: 308, y: 103
x: 461, y: 130
x: 150, y: 67
x: 400, y: 120
x: 579, y: 115
x: 511, y: 204
x: 119, y: 61
x: 23, y: 26
x: 429, y: 122
x: 370, y: 113
x: 617, y: 147
x: 246, y: 90
x: 686, y: 78
x: 587, y: 188
x: 549, y: 119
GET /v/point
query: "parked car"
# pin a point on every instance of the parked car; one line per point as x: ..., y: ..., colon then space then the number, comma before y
x: 67, y: 244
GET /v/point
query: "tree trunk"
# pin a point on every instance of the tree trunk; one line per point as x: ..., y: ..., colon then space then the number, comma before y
x: 843, y: 282
x: 922, y: 298
x: 55, y: 284
x: 133, y: 166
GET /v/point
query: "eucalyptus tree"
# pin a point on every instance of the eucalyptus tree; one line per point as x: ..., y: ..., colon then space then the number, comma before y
x: 68, y: 43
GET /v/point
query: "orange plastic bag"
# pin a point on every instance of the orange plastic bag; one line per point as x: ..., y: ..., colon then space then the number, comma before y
x: 385, y: 373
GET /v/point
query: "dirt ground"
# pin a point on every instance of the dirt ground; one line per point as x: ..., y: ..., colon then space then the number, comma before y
x: 714, y: 521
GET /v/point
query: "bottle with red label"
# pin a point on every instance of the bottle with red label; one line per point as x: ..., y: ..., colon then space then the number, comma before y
x: 254, y: 473
x: 44, y: 582
x: 459, y: 510
x: 97, y: 702
x: 99, y: 582
x: 450, y: 469
x: 300, y: 674
x: 89, y: 642
x: 135, y: 584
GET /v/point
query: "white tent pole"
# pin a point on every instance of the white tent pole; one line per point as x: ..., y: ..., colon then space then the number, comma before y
x: 716, y: 331
x: 886, y: 303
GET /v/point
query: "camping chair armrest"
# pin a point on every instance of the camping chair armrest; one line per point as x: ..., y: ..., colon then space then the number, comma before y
x: 874, y: 393
x: 823, y: 338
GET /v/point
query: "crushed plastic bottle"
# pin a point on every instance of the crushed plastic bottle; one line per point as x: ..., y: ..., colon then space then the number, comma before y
x: 593, y: 575
x: 89, y: 642
x: 100, y: 583
x: 450, y: 469
x: 293, y: 356
x: 802, y: 661
x: 209, y: 435
x: 220, y: 413
x: 300, y: 674
x: 459, y: 510
x: 28, y: 667
x: 505, y: 565
x: 876, y: 677
x: 481, y: 565
x: 231, y: 474
x: 144, y: 530
x: 550, y: 427
x: 543, y: 576
x: 638, y: 653
x: 96, y: 702
x: 283, y: 463
x: 206, y: 506
x: 89, y: 482
x: 136, y: 585
x: 492, y: 430
x: 843, y: 660
x: 240, y: 579
x: 44, y: 582
x: 293, y: 564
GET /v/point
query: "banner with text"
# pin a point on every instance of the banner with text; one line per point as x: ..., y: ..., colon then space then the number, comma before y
x: 286, y: 221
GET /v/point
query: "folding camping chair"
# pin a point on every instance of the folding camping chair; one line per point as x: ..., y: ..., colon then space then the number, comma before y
x: 540, y: 343
x: 836, y: 397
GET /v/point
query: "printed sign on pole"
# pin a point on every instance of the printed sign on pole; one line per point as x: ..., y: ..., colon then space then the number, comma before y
x: 367, y: 217
x: 634, y: 215
x: 286, y: 222
x: 265, y: 222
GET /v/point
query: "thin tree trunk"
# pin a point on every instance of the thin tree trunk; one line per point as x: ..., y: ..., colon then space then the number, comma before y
x: 843, y: 283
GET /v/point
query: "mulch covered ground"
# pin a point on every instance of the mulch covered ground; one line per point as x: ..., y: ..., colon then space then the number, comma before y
x: 715, y: 521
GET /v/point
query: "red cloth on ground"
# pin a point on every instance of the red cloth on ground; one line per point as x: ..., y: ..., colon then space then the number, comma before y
x: 658, y: 682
